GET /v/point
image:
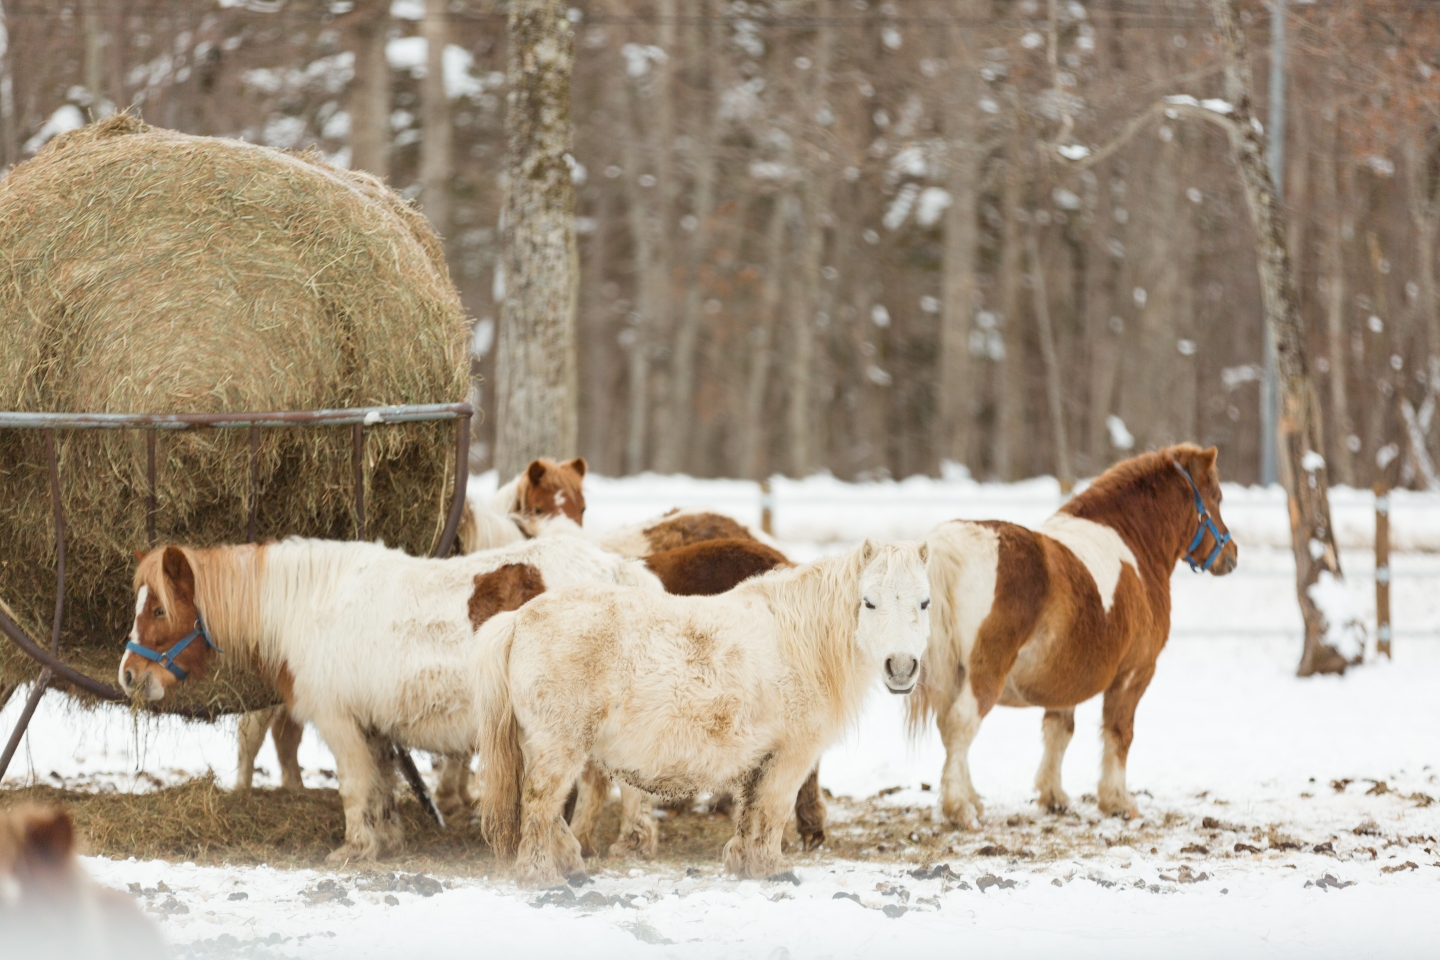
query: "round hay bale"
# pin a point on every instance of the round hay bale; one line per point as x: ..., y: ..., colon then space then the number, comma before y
x: 147, y: 271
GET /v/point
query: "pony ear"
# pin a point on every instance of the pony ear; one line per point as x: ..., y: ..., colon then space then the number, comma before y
x: 535, y: 472
x: 177, y: 569
x: 578, y: 465
x: 49, y: 836
x: 1205, y: 460
x: 924, y: 552
x: 139, y: 554
x: 868, y: 550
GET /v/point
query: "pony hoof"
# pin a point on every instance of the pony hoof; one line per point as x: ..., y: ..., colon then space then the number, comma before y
x: 1055, y: 802
x: 964, y: 815
x: 350, y: 852
x: 812, y: 840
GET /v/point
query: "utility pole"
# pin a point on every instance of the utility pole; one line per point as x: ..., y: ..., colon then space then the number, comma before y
x: 1269, y: 389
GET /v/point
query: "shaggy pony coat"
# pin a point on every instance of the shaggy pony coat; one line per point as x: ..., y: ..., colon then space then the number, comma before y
x: 371, y: 645
x: 678, y: 695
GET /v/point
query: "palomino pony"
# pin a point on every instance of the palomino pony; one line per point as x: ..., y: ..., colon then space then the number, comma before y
x: 1050, y: 618
x: 678, y: 695
x: 49, y: 907
x: 543, y: 490
x: 373, y: 646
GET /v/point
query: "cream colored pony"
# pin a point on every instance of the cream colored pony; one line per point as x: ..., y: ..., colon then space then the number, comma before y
x: 372, y: 646
x: 677, y: 695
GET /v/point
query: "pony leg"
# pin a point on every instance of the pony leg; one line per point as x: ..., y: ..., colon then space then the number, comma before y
x: 286, y: 733
x: 762, y: 809
x: 452, y: 793
x: 1057, y: 728
x: 358, y: 774
x: 251, y: 737
x: 1118, y: 729
x: 810, y: 812
x: 958, y: 726
x: 639, y: 833
x: 384, y: 804
x: 548, y: 850
x: 591, y: 793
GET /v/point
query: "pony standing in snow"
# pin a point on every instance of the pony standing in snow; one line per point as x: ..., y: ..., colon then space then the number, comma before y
x: 543, y: 491
x: 1050, y: 618
x: 678, y: 695
x: 373, y: 646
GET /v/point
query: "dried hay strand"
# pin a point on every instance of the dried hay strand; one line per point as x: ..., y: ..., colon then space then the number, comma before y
x: 146, y: 271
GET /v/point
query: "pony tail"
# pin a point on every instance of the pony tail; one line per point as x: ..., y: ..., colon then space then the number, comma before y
x: 502, y: 767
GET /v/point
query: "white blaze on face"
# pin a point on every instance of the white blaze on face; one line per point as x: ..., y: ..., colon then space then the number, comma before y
x: 139, y: 609
x: 559, y: 498
x: 1095, y: 545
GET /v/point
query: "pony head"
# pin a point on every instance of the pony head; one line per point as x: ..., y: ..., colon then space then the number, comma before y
x: 165, y: 616
x: 895, y: 610
x: 547, y: 489
x: 1208, y: 531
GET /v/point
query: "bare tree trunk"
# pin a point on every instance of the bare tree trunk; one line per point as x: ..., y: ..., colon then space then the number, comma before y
x: 95, y: 43
x: 9, y: 142
x: 958, y: 285
x: 370, y: 91
x: 752, y: 437
x: 1010, y: 371
x: 800, y: 358
x: 670, y: 456
x: 535, y: 365
x: 660, y: 140
x: 641, y: 332
x: 1300, y: 441
x: 1335, y: 317
x: 1421, y: 187
x: 1054, y: 385
x: 435, y: 158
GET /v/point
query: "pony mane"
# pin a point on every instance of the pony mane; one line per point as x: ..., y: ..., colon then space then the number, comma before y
x: 1141, y: 474
x: 817, y: 608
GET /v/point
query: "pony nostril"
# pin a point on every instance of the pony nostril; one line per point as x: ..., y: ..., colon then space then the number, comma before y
x: 129, y: 677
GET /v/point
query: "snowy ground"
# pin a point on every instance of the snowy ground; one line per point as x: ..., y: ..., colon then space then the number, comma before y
x: 1254, y: 787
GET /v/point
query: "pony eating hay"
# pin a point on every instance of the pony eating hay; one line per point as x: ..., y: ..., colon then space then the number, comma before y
x: 371, y: 645
x: 1050, y: 618
x: 676, y: 695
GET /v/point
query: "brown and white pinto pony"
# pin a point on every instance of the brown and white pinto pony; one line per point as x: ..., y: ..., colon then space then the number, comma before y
x: 677, y: 528
x: 1051, y: 617
x: 543, y: 490
x: 50, y: 909
x: 374, y: 647
x: 680, y: 695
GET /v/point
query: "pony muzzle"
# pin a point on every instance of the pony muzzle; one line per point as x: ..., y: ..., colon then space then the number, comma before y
x: 137, y: 677
x: 901, y: 672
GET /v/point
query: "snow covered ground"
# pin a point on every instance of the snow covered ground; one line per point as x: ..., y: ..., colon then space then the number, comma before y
x: 1255, y: 787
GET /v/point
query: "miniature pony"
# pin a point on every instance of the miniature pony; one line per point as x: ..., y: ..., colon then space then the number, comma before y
x: 677, y: 695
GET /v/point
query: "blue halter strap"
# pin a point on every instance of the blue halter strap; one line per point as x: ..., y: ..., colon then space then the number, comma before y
x: 1206, y: 523
x: 167, y: 659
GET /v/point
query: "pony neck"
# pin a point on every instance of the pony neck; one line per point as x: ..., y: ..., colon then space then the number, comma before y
x: 817, y: 608
x: 1153, y: 512
x: 227, y: 594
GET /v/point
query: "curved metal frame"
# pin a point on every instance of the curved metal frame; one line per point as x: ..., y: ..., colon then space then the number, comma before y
x: 357, y: 418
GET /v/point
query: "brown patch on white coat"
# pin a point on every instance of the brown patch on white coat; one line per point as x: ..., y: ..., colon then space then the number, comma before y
x: 1051, y: 618
x: 676, y: 529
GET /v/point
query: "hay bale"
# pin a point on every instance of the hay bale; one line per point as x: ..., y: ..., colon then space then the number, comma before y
x: 146, y: 271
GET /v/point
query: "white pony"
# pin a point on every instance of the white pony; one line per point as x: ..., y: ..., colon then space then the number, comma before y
x: 371, y: 645
x: 675, y: 695
x: 545, y: 498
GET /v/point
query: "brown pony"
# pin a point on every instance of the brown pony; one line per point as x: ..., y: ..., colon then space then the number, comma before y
x: 1050, y: 618
x: 50, y: 908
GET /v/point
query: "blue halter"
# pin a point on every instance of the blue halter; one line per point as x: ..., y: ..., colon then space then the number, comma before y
x: 167, y: 659
x: 1206, y: 523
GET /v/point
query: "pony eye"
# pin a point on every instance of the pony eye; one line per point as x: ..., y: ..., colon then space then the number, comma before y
x: 868, y: 604
x: 159, y: 613
x: 924, y: 604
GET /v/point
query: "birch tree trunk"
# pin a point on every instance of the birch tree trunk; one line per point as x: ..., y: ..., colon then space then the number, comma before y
x: 535, y: 364
x: 370, y: 91
x: 1300, y: 441
x: 435, y: 150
